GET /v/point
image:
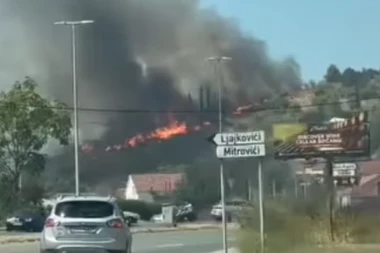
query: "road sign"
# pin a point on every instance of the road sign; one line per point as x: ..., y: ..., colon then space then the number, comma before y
x: 240, y: 145
x: 240, y: 138
x: 344, y: 170
x: 343, y: 166
x: 240, y: 151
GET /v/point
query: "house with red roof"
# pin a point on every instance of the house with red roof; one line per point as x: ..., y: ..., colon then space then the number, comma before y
x: 146, y: 186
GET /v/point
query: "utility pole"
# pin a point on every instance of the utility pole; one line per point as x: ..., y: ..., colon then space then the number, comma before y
x: 218, y: 60
x: 357, y: 96
x: 73, y: 25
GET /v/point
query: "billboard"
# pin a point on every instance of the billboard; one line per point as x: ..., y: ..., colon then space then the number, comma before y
x: 346, y: 137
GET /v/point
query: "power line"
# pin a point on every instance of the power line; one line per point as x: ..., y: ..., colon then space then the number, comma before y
x: 193, y: 111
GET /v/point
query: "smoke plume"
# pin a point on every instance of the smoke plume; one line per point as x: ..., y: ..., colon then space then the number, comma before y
x: 139, y: 54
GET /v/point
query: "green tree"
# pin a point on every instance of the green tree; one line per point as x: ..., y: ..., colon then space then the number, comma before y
x: 27, y: 122
x: 333, y: 74
x: 329, y: 102
x: 350, y: 77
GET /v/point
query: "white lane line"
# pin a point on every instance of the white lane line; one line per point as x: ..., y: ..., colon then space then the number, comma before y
x: 230, y: 250
x: 171, y: 245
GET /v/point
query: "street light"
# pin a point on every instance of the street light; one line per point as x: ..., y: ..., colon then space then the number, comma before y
x: 218, y: 60
x: 73, y: 25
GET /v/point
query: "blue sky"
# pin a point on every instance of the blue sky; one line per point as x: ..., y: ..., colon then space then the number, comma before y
x: 315, y: 32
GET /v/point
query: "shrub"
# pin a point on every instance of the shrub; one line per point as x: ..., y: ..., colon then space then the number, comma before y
x: 358, y: 227
x: 293, y: 226
x: 144, y: 209
x: 285, y: 229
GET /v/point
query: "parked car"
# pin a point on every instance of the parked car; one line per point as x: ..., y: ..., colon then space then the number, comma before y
x: 91, y: 223
x: 157, y: 218
x: 182, y: 211
x: 25, y: 220
x: 131, y: 218
x: 233, y: 207
x: 185, y: 212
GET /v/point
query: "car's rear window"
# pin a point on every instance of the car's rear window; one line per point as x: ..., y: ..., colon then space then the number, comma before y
x: 84, y: 209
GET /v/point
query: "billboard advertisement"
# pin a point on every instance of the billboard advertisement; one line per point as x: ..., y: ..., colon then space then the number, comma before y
x: 344, y: 137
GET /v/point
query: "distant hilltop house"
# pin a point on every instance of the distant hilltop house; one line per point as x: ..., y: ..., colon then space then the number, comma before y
x: 303, y: 98
x: 147, y: 186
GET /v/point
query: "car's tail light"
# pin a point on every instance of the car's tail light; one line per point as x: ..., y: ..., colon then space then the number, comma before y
x: 50, y: 223
x: 116, y: 223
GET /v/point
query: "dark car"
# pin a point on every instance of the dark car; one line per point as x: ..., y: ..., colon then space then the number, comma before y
x: 185, y: 212
x: 29, y: 221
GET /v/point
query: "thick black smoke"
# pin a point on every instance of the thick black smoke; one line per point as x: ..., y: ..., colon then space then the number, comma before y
x: 139, y: 54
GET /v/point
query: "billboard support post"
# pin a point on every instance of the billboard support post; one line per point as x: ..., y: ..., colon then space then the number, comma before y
x: 331, y: 194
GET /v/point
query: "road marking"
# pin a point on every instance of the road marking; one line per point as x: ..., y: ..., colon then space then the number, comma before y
x: 171, y: 245
x: 230, y: 250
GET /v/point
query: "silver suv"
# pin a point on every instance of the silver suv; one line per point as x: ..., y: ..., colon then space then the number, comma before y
x: 86, y: 224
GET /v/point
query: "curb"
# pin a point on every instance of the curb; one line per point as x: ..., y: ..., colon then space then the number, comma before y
x: 36, y: 238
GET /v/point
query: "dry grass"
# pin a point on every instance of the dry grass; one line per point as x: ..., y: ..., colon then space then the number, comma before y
x: 289, y: 231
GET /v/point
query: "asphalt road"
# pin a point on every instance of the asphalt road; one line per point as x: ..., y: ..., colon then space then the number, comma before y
x: 22, y: 233
x: 140, y: 224
x: 199, y: 241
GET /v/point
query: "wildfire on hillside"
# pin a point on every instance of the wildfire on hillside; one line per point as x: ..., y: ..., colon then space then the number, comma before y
x: 173, y: 129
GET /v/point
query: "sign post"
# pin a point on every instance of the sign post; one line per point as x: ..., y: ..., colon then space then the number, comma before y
x: 261, y: 205
x: 244, y: 145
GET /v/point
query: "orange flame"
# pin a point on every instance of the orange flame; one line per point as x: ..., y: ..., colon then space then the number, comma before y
x: 174, y: 129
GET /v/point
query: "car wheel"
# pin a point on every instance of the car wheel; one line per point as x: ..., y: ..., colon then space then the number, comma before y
x: 129, y: 249
x: 9, y: 228
x: 191, y: 217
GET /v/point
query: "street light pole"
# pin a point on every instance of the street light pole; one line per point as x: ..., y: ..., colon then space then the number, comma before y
x: 73, y: 25
x: 218, y: 74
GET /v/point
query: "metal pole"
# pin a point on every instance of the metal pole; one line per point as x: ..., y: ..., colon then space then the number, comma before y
x: 75, y: 98
x: 330, y: 187
x: 357, y: 96
x: 222, y: 190
x: 261, y: 206
x: 73, y: 25
x: 219, y: 77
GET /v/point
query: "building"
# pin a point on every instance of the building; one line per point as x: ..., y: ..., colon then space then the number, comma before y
x: 147, y: 186
x: 369, y: 185
x: 303, y: 98
x: 364, y: 197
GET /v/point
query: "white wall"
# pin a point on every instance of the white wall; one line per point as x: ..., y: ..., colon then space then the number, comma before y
x: 130, y: 189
